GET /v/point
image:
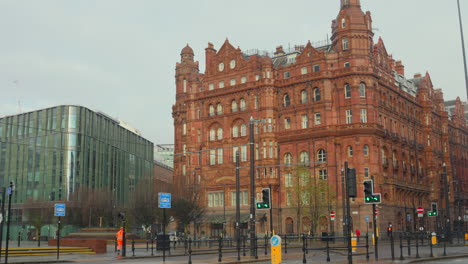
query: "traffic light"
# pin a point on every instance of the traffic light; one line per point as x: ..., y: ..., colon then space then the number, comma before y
x: 351, y: 182
x: 389, y: 230
x: 433, y: 211
x: 369, y: 196
x: 266, y: 200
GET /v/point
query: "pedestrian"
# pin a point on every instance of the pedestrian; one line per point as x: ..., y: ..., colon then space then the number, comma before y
x: 119, y: 237
x: 358, y: 234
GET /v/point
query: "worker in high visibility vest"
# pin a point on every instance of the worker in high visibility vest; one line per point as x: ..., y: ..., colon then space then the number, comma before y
x: 119, y: 236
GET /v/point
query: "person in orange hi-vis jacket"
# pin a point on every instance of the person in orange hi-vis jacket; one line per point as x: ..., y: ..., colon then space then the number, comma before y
x: 120, y: 237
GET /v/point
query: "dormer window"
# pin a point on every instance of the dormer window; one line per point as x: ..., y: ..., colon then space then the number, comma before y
x: 343, y: 23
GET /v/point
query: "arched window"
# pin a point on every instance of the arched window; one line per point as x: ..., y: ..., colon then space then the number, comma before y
x: 288, y: 158
x: 362, y: 90
x: 304, y: 157
x: 347, y: 90
x: 235, y: 131
x: 212, y: 110
x: 366, y: 150
x: 304, y: 96
x: 234, y: 106
x: 321, y: 155
x: 286, y: 100
x: 316, y: 94
x: 242, y: 104
x: 212, y: 134
x: 350, y: 151
x: 219, y: 109
x: 243, y: 130
x: 220, y: 133
x: 343, y: 23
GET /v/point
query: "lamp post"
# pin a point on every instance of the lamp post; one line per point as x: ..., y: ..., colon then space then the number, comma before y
x: 463, y: 47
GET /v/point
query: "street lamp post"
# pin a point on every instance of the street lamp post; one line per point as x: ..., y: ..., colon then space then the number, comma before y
x: 463, y: 47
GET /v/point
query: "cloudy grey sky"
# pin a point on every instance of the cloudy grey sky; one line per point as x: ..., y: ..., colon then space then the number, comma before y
x: 118, y: 56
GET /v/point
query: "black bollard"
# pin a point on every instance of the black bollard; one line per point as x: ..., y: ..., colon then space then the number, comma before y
x: 243, y: 245
x: 152, y: 247
x: 328, y: 251
x: 303, y: 250
x: 147, y: 245
x: 417, y: 246
x: 133, y: 247
x: 190, y: 251
x: 256, y: 246
x: 39, y: 238
x: 445, y: 247
x: 265, y: 241
x: 409, y: 244
x: 220, y: 246
x: 286, y: 244
x: 115, y: 245
x: 238, y: 246
x: 401, y: 247
x: 19, y: 239
x: 367, y: 246
x: 392, y: 245
x: 306, y: 244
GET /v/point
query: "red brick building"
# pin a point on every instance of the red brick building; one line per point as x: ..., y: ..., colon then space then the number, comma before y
x: 347, y: 100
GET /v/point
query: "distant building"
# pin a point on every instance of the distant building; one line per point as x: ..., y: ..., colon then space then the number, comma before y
x: 162, y: 177
x: 164, y: 153
x: 51, y: 153
x: 344, y: 100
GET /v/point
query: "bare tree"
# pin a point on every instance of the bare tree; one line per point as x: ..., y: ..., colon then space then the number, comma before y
x: 38, y: 214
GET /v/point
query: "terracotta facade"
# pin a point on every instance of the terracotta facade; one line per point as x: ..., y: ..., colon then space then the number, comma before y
x: 322, y: 105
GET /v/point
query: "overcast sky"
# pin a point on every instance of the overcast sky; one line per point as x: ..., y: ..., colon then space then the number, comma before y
x: 119, y: 56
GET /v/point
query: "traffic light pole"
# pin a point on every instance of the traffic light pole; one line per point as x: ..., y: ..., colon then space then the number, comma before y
x: 374, y: 217
x: 271, y: 211
x: 252, y: 188
x: 348, y: 215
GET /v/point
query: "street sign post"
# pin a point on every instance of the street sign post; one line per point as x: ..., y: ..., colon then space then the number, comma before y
x: 275, y: 242
x: 164, y: 200
x: 59, y: 209
x: 164, y: 203
x: 420, y: 211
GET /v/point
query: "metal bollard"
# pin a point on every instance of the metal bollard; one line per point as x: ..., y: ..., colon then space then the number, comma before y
x: 328, y: 251
x: 147, y: 245
x: 367, y: 246
x: 401, y: 247
x: 286, y: 244
x: 265, y: 241
x: 445, y: 247
x: 417, y: 246
x: 256, y: 246
x: 115, y: 245
x: 190, y: 251
x: 220, y: 249
x: 152, y: 247
x: 409, y: 244
x: 430, y: 246
x: 243, y: 245
x: 19, y: 239
x: 392, y: 246
x: 133, y: 247
x: 303, y: 250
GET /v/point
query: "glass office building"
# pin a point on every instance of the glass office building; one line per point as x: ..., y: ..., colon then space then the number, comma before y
x: 49, y: 154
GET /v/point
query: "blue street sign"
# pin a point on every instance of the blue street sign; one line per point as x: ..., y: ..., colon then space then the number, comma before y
x: 164, y: 200
x: 9, y: 190
x: 367, y: 219
x: 59, y: 209
x: 275, y: 241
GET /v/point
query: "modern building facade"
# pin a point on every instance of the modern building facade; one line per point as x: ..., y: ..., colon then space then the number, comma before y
x: 345, y: 100
x: 51, y: 153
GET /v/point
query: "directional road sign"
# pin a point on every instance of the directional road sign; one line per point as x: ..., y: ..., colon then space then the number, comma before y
x: 59, y: 209
x: 164, y: 200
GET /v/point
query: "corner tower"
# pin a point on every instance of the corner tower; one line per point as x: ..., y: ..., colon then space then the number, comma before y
x: 352, y: 35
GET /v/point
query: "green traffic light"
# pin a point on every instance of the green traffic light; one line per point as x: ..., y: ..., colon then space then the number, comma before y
x: 259, y: 205
x: 265, y: 205
x: 368, y: 199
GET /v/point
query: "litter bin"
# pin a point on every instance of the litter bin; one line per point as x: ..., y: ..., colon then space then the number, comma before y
x: 163, y: 242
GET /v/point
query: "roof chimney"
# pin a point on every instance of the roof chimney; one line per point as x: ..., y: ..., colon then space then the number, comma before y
x: 400, y: 68
x: 279, y: 51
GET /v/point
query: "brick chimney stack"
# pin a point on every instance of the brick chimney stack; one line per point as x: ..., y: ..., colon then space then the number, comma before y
x: 400, y: 68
